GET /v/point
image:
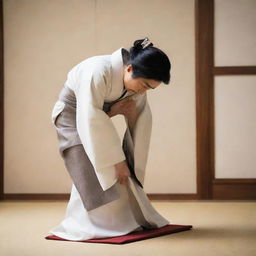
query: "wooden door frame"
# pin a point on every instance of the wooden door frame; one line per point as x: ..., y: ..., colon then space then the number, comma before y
x: 1, y: 103
x: 208, y: 187
x: 204, y: 97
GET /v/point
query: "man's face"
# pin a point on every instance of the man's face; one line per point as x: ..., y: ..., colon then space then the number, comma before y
x: 140, y: 84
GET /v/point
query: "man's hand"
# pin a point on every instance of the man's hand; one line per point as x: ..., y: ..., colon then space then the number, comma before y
x: 122, y: 172
x: 126, y: 107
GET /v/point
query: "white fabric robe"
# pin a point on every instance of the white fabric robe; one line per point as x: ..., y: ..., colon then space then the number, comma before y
x: 95, y: 80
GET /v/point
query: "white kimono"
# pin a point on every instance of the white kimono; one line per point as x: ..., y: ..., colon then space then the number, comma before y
x: 94, y: 81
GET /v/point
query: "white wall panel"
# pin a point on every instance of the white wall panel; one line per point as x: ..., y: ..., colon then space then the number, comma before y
x: 235, y: 36
x: 235, y: 126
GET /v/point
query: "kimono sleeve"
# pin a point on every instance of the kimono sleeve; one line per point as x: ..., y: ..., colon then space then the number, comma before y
x: 96, y: 130
x: 138, y: 137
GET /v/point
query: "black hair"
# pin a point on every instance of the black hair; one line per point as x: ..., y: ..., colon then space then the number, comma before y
x: 149, y: 63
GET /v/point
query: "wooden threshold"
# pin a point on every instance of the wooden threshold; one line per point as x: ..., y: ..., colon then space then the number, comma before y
x: 67, y: 196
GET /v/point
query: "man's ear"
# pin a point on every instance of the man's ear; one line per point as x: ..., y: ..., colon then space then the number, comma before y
x: 129, y: 68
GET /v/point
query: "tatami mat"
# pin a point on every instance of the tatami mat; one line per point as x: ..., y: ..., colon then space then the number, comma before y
x: 219, y: 228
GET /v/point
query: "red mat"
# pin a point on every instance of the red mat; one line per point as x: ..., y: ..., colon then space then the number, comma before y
x: 133, y: 236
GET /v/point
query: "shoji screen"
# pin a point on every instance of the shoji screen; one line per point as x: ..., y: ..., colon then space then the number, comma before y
x: 235, y: 95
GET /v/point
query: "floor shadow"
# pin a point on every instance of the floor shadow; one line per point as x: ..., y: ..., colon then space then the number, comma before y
x: 217, y: 232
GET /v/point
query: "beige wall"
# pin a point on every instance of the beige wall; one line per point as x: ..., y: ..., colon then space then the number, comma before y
x: 45, y: 38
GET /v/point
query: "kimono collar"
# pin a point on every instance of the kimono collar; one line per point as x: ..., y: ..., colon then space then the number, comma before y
x: 117, y: 72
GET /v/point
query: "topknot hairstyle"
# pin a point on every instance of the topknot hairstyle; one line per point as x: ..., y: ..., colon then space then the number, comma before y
x: 148, y: 61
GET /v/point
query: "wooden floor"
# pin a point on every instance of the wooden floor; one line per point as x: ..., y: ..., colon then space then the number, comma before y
x: 220, y: 228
